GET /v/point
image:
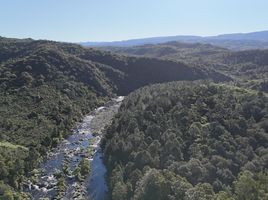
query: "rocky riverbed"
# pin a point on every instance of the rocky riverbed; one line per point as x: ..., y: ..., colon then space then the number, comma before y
x: 74, y: 170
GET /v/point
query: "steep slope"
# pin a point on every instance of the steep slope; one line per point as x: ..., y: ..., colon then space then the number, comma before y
x: 137, y: 72
x: 192, y: 53
x: 140, y: 71
x: 28, y: 65
x: 46, y: 86
x: 43, y: 92
x: 248, y: 68
x: 186, y: 140
x: 108, y: 69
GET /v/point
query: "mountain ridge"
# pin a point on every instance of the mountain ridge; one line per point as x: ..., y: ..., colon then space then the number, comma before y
x: 251, y: 40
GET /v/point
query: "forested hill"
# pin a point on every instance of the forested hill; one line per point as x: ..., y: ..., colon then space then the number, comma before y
x: 103, y: 71
x: 189, y: 141
x: 46, y: 86
x: 43, y: 92
x: 248, y: 68
x: 171, y: 50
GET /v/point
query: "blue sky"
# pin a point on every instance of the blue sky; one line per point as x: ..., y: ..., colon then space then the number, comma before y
x: 109, y: 20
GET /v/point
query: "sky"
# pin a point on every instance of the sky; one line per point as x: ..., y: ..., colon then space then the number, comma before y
x: 112, y: 20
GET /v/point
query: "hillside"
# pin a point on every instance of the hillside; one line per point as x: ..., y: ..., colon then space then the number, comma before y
x: 43, y: 93
x: 191, y: 53
x: 103, y: 71
x: 189, y: 141
x: 248, y: 68
x: 46, y: 86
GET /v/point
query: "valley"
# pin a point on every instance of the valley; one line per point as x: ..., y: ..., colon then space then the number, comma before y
x: 133, y: 100
x: 194, y: 121
x: 61, y: 176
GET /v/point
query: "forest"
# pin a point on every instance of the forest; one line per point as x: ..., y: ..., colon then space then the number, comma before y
x: 46, y: 87
x: 247, y: 69
x: 189, y: 141
x: 178, y: 140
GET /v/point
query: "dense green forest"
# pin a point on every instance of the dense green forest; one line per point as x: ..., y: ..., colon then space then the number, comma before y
x: 104, y: 71
x: 39, y: 105
x: 46, y: 86
x: 187, y: 52
x: 189, y: 141
x: 248, y: 69
x: 169, y: 141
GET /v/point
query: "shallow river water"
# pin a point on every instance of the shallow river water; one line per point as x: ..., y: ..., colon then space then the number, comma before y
x: 70, y: 151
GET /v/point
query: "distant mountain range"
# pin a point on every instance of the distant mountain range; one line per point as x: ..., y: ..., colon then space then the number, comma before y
x: 258, y: 36
x: 236, y: 41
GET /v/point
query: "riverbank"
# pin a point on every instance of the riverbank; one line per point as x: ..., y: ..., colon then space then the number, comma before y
x: 65, y: 173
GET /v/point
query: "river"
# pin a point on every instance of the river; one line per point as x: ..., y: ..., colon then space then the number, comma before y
x: 82, y: 143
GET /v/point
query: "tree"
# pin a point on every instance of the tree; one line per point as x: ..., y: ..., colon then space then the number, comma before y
x: 246, y: 187
x: 200, y: 192
x: 153, y: 186
x: 84, y: 166
x: 143, y: 158
x: 119, y: 191
x: 26, y: 78
x: 180, y: 186
x: 223, y: 196
x: 3, y: 170
x: 8, y: 195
